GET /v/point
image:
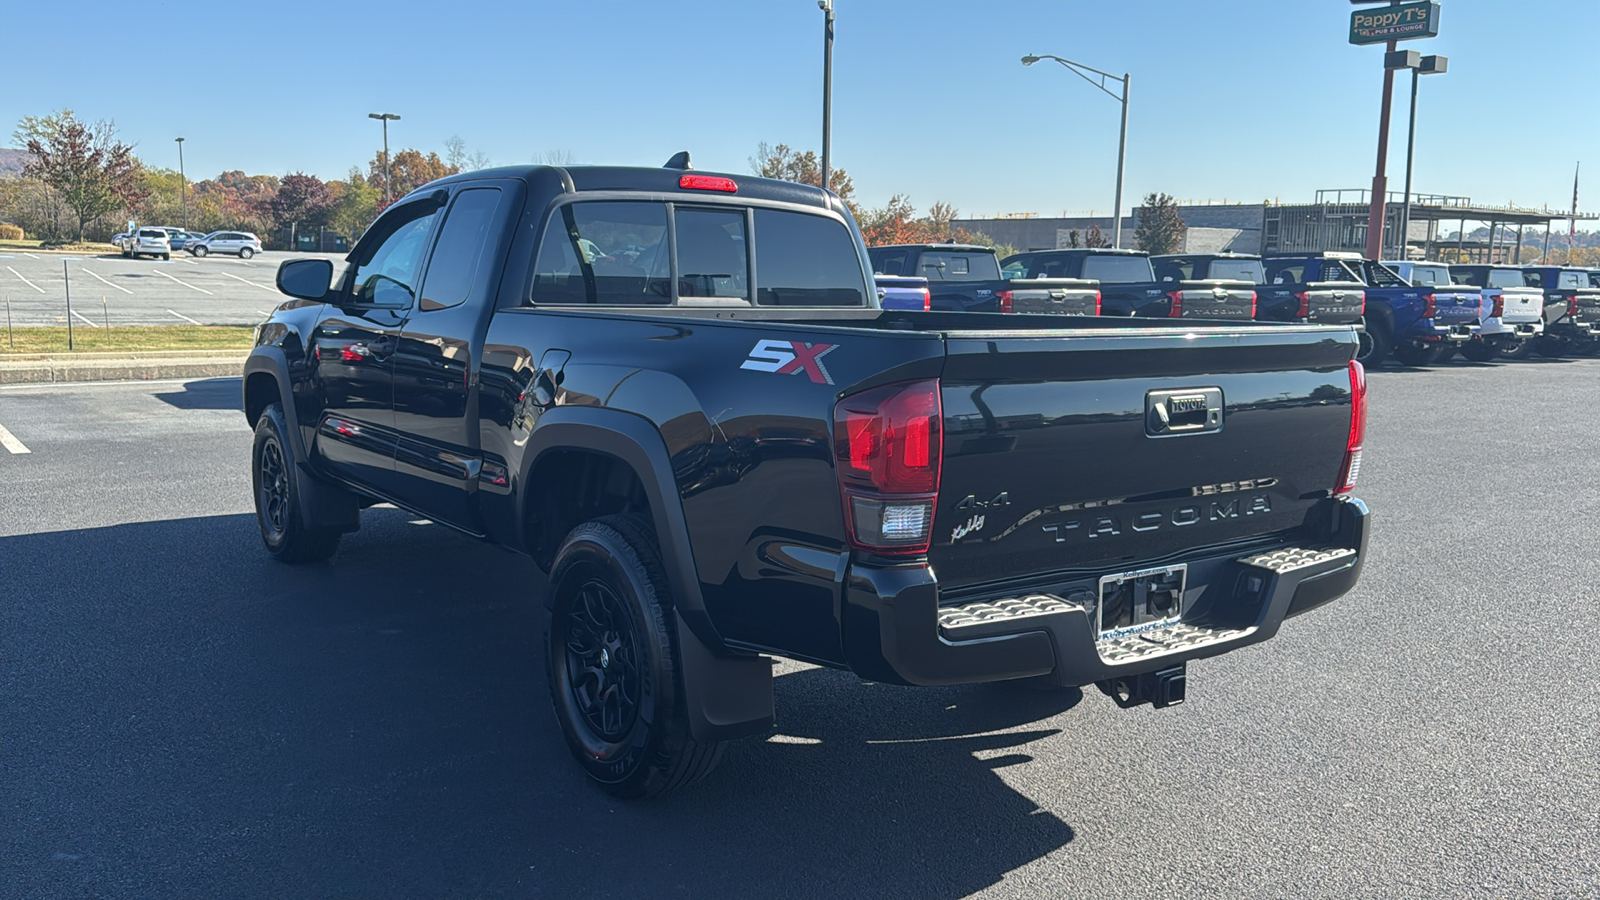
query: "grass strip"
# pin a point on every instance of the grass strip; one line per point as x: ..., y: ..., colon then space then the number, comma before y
x: 126, y: 338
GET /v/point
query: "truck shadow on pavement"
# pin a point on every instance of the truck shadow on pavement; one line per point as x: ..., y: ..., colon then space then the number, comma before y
x: 185, y: 717
x: 206, y: 393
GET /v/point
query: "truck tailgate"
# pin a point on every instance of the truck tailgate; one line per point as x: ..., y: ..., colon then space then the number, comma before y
x: 1056, y: 459
x: 1213, y: 299
x: 1517, y: 304
x: 1335, y: 302
x: 1053, y: 296
x: 1454, y: 306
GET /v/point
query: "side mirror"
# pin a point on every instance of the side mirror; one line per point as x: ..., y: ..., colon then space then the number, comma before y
x: 307, y: 279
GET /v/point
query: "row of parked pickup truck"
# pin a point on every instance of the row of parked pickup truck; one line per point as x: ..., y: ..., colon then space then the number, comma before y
x: 1418, y: 313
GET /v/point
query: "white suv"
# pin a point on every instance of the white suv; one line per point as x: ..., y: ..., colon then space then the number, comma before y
x: 147, y: 242
x: 242, y: 243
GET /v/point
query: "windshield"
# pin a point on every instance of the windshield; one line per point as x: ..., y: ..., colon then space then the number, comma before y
x: 1118, y: 269
x: 1430, y: 276
x: 959, y: 265
x: 1239, y: 270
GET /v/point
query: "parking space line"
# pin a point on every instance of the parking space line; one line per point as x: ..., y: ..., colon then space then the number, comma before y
x: 30, y: 256
x: 10, y: 442
x: 107, y: 283
x: 185, y: 318
x: 262, y: 313
x: 248, y: 281
x: 86, y: 320
x: 26, y: 281
x: 185, y: 284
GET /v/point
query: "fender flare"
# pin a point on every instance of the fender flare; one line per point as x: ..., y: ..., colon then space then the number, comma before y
x: 323, y: 503
x: 726, y: 695
x: 271, y: 360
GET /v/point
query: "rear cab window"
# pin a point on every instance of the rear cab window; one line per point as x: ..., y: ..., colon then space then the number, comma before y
x: 1572, y: 281
x: 653, y: 253
x: 1238, y: 270
x: 1118, y: 269
x: 958, y: 265
x: 1430, y: 276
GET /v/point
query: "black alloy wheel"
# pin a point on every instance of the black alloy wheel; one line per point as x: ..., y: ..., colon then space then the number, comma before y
x: 273, y: 490
x: 602, y: 662
x: 285, y: 530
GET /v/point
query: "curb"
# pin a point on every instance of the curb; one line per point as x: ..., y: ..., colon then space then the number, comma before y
x: 51, y: 370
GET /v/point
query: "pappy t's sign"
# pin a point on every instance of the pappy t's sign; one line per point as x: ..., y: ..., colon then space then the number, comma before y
x: 1408, y: 21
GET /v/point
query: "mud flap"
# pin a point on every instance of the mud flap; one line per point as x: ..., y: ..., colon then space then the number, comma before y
x: 726, y: 697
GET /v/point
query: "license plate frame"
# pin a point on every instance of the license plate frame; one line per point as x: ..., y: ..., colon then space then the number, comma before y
x: 1129, y: 605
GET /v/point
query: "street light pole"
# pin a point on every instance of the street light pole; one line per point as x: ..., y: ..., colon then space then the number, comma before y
x: 1082, y: 71
x: 183, y: 185
x: 1429, y: 65
x: 827, y: 85
x: 385, y: 118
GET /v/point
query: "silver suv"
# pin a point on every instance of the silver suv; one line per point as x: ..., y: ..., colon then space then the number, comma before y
x: 147, y: 242
x: 242, y: 243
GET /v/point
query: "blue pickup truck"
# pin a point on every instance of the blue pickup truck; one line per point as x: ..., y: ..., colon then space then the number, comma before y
x: 1414, y: 324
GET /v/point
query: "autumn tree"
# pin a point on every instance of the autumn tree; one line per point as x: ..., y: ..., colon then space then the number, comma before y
x: 1161, y: 227
x: 84, y: 165
x: 408, y: 170
x: 805, y: 168
x: 300, y: 198
x: 1096, y: 238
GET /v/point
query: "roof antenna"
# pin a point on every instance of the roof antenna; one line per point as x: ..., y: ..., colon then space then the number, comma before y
x: 679, y: 160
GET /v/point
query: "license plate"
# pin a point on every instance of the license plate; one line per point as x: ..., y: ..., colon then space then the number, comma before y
x: 1130, y: 601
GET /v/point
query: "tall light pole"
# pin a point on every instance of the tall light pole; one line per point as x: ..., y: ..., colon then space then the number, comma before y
x: 183, y: 186
x: 1083, y: 71
x: 385, y: 118
x: 1427, y: 65
x: 827, y: 84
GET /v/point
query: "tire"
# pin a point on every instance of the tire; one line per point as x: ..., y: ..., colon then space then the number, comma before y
x: 1375, y: 345
x: 199, y: 251
x: 1445, y: 354
x: 246, y: 253
x: 614, y: 669
x: 1412, y: 355
x: 1518, y: 348
x: 1480, y: 351
x: 275, y: 480
x: 166, y: 257
x: 1552, y: 348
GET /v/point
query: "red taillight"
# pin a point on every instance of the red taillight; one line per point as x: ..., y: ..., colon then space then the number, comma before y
x: 1572, y: 305
x: 888, y: 443
x: 1006, y: 301
x: 708, y: 183
x: 1429, y: 306
x: 1177, y: 304
x: 1304, y: 312
x: 1361, y: 298
x: 1499, y: 306
x: 1097, y: 303
x: 1358, y: 429
x: 927, y: 299
x: 1252, y: 304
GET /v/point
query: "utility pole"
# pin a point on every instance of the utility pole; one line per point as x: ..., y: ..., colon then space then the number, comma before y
x: 385, y: 118
x: 827, y: 85
x: 183, y: 186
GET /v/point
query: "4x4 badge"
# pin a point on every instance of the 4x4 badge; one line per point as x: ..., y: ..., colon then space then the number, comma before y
x: 790, y: 358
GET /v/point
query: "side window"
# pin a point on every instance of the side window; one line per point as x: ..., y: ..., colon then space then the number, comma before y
x: 803, y: 260
x: 1175, y: 270
x: 888, y: 262
x: 463, y: 241
x: 1533, y: 279
x: 604, y: 252
x: 1287, y: 273
x: 387, y: 275
x: 712, y: 257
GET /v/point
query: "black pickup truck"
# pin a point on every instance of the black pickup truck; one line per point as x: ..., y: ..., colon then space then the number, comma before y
x: 1129, y: 287
x: 675, y: 391
x: 1285, y: 296
x: 966, y: 278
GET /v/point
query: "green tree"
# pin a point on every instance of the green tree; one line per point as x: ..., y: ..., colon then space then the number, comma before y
x: 84, y: 165
x: 354, y: 205
x: 1161, y: 227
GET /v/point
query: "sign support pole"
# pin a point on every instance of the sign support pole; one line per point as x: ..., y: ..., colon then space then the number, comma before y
x: 1376, y: 213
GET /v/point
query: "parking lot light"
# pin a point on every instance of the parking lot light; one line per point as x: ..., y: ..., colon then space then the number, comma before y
x: 183, y: 193
x: 1084, y: 72
x: 1425, y: 65
x: 385, y: 118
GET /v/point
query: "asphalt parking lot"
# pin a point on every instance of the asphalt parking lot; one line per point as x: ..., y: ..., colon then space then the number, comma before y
x: 180, y: 716
x: 211, y: 290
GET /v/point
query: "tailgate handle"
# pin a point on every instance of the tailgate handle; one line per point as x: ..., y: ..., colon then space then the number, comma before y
x: 1178, y: 413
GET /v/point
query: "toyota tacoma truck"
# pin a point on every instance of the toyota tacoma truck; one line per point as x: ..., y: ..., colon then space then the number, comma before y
x: 967, y: 278
x: 1414, y: 324
x: 1571, y: 310
x: 1128, y: 284
x: 1288, y: 297
x: 676, y: 392
x: 1513, y: 313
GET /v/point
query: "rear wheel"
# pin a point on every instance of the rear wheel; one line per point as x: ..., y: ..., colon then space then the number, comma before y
x: 1480, y: 351
x: 1518, y: 348
x: 1553, y: 347
x: 1375, y: 345
x: 166, y: 257
x: 614, y: 667
x: 285, y: 531
x: 1412, y: 355
x: 246, y: 253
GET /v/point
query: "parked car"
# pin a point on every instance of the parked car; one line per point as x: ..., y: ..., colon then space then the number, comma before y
x: 722, y: 451
x: 1283, y: 296
x: 1513, y: 318
x: 240, y: 243
x: 181, y: 239
x: 1129, y: 287
x: 902, y: 292
x: 147, y: 242
x: 1412, y: 323
x: 967, y: 277
x: 1571, y: 310
x: 118, y: 238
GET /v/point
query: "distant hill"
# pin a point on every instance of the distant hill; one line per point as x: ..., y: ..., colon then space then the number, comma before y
x: 11, y: 162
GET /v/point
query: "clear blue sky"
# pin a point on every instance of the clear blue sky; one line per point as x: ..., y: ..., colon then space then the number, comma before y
x: 1239, y: 99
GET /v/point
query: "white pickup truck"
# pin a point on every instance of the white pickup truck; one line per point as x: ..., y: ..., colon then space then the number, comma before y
x: 1511, y: 316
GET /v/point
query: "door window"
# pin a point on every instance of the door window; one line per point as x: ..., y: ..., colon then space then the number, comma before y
x: 463, y: 241
x: 612, y: 253
x: 386, y: 275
